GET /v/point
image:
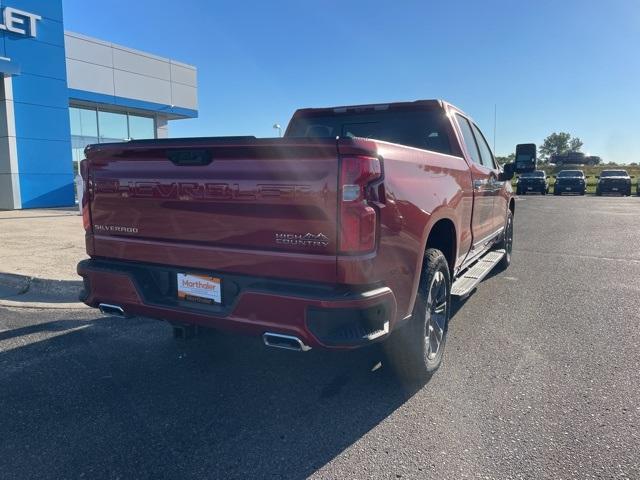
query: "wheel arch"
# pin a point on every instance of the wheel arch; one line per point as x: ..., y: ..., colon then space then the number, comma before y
x: 443, y: 236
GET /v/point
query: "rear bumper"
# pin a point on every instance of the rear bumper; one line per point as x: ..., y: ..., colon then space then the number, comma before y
x: 532, y: 187
x: 569, y: 187
x: 614, y: 188
x: 322, y: 316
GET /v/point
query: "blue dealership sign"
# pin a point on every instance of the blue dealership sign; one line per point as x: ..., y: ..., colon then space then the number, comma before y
x: 36, y: 162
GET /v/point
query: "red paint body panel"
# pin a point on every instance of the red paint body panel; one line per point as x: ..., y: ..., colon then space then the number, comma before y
x: 269, y: 209
x: 421, y: 188
x: 253, y: 313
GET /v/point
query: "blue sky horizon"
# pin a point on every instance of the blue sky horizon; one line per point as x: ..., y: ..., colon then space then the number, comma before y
x: 547, y: 66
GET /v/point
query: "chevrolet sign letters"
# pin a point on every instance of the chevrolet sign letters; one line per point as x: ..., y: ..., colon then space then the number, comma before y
x: 20, y: 22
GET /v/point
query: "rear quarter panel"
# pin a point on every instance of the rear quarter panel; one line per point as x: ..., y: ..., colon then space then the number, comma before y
x: 421, y: 187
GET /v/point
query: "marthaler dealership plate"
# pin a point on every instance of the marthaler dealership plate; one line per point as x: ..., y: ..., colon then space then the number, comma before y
x: 199, y: 288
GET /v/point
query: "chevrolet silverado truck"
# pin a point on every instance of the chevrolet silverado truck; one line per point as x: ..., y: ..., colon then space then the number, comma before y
x: 357, y: 227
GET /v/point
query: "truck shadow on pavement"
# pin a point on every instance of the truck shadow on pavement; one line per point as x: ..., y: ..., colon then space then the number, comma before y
x: 22, y: 289
x: 107, y: 397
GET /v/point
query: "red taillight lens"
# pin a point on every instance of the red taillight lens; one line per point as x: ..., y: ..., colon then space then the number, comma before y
x: 84, y: 173
x: 358, y: 219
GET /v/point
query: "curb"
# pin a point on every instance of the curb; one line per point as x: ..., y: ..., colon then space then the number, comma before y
x: 15, y: 282
x: 34, y: 292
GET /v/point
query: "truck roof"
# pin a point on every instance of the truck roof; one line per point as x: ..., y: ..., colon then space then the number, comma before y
x: 433, y: 103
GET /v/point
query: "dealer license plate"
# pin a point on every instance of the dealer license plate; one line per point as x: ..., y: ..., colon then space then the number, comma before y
x: 199, y: 288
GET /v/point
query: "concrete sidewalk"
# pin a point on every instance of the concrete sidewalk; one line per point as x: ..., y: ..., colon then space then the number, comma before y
x: 39, y: 251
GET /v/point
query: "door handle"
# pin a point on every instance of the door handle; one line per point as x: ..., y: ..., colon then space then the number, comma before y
x: 479, y: 184
x: 494, y: 183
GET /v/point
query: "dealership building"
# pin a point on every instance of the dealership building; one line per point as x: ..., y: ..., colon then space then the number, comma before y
x: 60, y: 91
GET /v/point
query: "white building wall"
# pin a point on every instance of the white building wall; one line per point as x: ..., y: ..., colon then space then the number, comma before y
x: 101, y: 67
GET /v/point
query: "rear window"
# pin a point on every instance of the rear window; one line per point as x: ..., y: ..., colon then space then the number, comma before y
x: 614, y: 173
x: 425, y: 129
x: 571, y: 173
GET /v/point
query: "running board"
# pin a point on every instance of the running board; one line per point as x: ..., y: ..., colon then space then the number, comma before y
x: 474, y: 275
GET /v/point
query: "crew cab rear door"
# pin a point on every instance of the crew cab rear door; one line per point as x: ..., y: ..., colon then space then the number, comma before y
x: 500, y: 195
x: 484, y: 188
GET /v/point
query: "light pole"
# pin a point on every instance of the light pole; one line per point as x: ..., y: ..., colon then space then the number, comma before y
x: 276, y: 126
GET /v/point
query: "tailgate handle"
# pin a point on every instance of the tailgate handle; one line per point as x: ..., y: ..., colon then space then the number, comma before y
x: 190, y: 157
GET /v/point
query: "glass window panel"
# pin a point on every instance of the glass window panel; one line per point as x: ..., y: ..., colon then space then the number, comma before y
x: 74, y: 118
x: 141, y: 128
x: 84, y: 122
x: 468, y: 138
x: 113, y: 127
x: 427, y: 129
x: 485, y: 151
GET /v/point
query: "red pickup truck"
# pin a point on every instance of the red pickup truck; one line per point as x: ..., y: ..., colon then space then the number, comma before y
x: 358, y: 226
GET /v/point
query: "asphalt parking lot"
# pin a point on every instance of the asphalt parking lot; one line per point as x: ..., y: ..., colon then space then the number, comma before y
x: 541, y: 380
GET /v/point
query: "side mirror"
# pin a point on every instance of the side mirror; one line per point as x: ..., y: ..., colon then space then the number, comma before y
x: 526, y: 158
x: 633, y: 176
x: 508, y: 171
x: 597, y: 176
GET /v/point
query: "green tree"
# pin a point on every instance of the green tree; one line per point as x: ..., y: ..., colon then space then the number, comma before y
x: 575, y: 144
x: 557, y: 144
x: 508, y: 159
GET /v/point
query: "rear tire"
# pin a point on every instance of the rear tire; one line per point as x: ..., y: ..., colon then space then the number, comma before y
x: 417, y: 347
x: 507, y: 242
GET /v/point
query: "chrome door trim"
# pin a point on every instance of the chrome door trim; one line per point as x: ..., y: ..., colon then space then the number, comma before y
x: 473, y: 255
x: 488, y: 237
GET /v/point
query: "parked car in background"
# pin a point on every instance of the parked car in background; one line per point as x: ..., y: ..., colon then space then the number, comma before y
x: 532, y: 182
x: 614, y: 181
x: 574, y: 158
x: 570, y: 181
x: 357, y: 227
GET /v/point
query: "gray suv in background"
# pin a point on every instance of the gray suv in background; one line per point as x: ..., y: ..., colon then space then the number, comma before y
x: 614, y: 181
x: 532, y: 182
x: 570, y: 181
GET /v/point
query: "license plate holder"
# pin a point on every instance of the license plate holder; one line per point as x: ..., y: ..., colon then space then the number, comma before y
x: 199, y: 288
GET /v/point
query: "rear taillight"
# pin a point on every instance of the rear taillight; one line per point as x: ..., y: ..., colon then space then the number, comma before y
x: 358, y: 218
x: 84, y: 201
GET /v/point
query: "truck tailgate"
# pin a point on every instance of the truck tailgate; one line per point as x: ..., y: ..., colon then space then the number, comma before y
x: 257, y: 196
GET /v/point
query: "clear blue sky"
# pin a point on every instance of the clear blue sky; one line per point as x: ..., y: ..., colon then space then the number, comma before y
x: 571, y: 65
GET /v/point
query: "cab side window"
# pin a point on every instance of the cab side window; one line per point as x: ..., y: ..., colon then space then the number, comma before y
x: 469, y: 140
x: 485, y: 152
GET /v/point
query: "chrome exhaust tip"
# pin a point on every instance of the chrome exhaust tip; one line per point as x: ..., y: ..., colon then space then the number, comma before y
x: 287, y: 342
x: 114, y: 310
